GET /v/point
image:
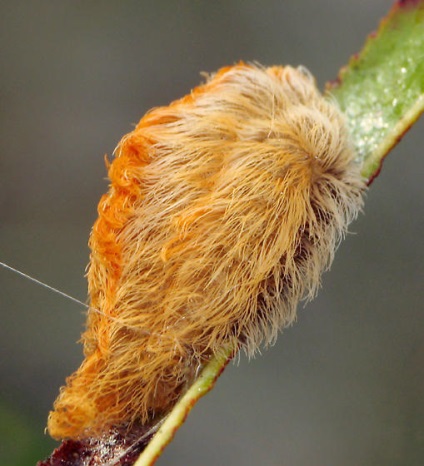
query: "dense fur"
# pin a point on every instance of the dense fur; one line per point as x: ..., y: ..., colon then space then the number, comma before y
x: 224, y: 209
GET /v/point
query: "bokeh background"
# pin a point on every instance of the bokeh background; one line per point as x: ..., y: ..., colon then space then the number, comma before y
x: 344, y: 386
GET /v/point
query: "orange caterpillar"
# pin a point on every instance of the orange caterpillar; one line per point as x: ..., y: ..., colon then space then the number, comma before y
x: 224, y: 209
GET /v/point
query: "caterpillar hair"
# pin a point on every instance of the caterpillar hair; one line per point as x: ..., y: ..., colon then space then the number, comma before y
x: 223, y: 211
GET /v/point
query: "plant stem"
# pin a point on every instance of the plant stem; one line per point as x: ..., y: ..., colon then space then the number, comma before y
x: 203, y: 384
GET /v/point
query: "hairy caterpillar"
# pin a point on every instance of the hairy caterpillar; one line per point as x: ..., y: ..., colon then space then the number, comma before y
x: 224, y: 209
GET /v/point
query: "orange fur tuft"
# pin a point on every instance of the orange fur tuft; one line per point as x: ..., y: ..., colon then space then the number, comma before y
x: 224, y: 209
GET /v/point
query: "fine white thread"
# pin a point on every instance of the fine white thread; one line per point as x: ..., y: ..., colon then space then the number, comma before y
x: 65, y: 295
x: 51, y: 288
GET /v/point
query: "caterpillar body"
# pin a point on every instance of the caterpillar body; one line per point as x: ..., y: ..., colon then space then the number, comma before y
x: 224, y: 209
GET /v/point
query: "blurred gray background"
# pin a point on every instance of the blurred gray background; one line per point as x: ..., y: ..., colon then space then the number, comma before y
x: 344, y: 386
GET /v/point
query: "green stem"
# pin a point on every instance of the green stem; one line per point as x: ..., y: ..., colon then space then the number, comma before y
x: 203, y: 384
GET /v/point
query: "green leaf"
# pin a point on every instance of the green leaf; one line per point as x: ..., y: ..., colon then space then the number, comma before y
x: 381, y: 90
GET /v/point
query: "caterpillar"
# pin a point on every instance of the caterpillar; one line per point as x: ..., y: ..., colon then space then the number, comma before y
x: 224, y: 209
